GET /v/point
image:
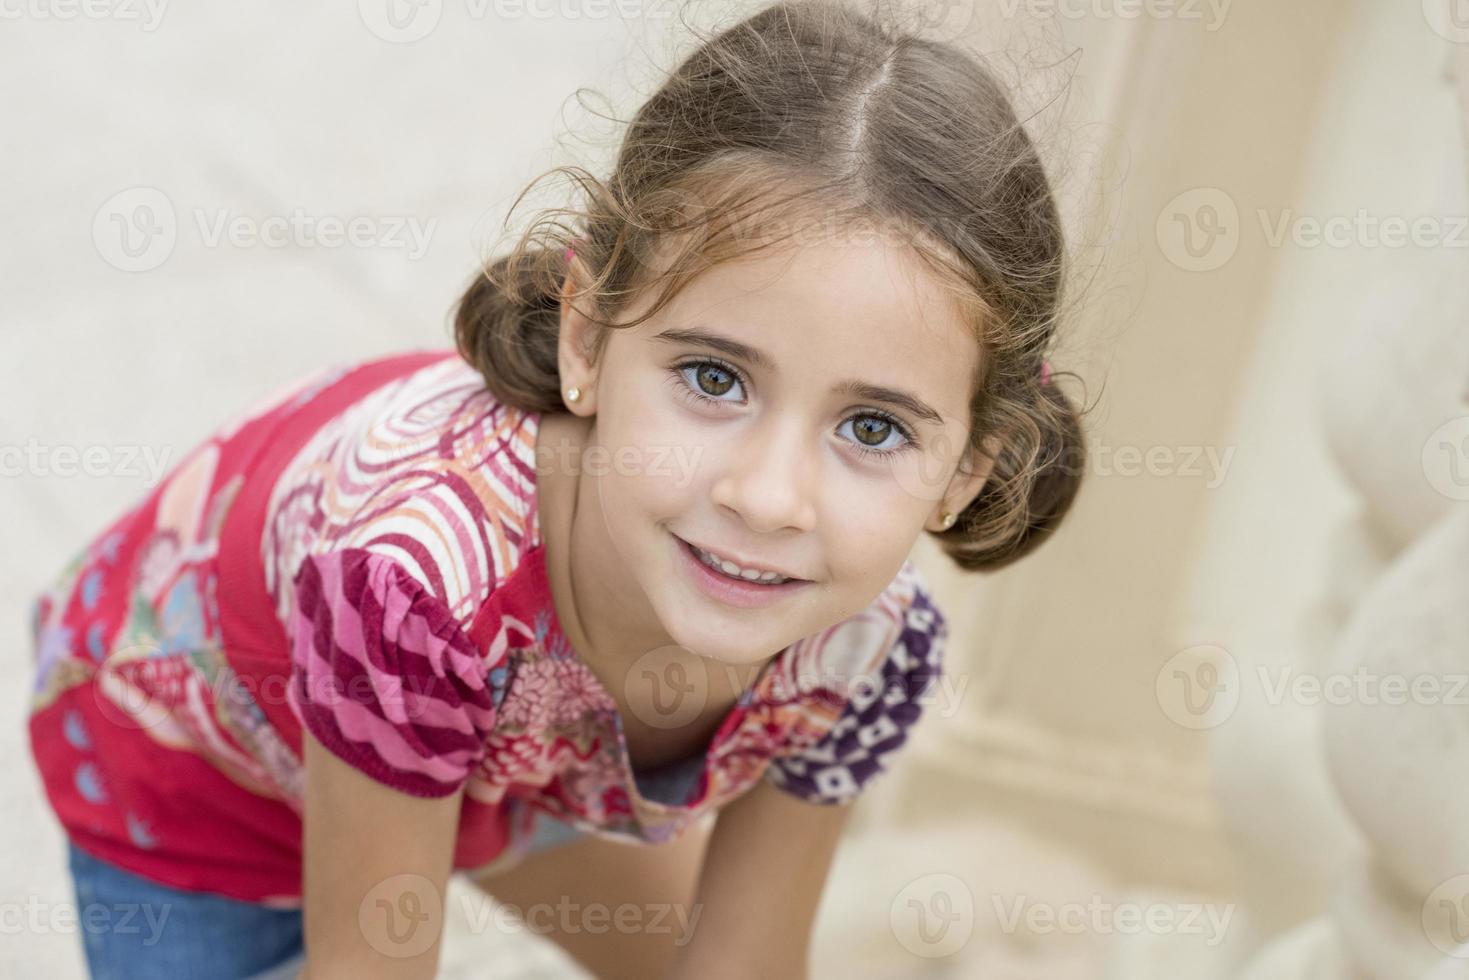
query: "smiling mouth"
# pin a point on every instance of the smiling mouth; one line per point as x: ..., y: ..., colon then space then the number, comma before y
x: 733, y: 572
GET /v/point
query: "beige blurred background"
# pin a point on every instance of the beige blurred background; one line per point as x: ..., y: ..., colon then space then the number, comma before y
x: 1120, y: 777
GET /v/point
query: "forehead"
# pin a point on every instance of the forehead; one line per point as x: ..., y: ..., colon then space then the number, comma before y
x: 842, y: 309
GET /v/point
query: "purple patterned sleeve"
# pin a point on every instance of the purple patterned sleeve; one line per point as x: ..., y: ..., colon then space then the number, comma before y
x: 384, y: 676
x: 876, y: 720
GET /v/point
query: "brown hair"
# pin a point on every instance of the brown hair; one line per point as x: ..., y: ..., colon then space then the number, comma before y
x: 807, y: 112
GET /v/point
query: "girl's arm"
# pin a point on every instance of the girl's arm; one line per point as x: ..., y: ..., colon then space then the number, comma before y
x: 760, y: 887
x: 375, y: 865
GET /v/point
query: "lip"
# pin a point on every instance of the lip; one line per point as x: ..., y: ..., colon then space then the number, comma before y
x: 744, y: 564
x: 732, y: 592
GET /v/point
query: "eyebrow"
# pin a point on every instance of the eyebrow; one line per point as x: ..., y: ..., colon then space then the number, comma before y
x: 851, y: 386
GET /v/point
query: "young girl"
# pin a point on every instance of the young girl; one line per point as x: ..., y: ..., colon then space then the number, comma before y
x: 633, y: 554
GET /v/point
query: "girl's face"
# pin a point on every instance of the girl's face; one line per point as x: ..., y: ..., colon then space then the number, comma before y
x: 803, y: 412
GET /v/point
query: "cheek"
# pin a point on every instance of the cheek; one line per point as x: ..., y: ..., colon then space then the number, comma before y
x: 918, y: 480
x: 871, y: 525
x: 869, y: 534
x: 682, y: 447
x: 887, y: 496
x: 652, y: 464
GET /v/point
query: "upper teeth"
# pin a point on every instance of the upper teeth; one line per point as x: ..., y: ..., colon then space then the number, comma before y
x: 730, y: 568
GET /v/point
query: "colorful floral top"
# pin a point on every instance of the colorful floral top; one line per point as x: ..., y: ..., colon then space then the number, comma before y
x: 361, y: 555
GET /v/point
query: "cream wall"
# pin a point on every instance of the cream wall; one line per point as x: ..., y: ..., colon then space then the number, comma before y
x: 1058, y: 726
x: 1062, y: 728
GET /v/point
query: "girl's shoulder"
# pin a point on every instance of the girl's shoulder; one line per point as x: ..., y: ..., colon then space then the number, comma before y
x: 430, y: 470
x: 852, y: 694
x: 899, y: 632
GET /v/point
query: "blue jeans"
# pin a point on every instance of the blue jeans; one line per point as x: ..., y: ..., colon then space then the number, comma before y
x: 141, y: 930
x: 137, y: 929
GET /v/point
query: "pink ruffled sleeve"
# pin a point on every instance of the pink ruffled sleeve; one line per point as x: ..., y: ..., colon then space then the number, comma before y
x: 384, y: 676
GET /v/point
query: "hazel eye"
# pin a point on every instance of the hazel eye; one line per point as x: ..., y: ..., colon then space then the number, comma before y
x: 710, y: 380
x: 872, y: 424
x: 871, y: 433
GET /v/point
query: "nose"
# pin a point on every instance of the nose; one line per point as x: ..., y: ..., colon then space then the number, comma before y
x: 770, y: 482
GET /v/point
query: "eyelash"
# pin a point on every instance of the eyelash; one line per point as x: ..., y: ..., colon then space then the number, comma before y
x: 694, y: 394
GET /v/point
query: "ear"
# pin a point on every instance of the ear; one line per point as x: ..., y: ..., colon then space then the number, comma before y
x: 968, y: 480
x: 574, y: 344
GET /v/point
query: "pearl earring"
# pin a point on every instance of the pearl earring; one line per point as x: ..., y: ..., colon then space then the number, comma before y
x: 947, y: 519
x: 572, y: 394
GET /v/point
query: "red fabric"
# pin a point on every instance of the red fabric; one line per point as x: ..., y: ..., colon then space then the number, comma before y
x: 248, y: 846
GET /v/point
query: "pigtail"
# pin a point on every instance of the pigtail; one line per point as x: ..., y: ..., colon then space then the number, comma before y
x: 1035, y: 479
x: 506, y: 326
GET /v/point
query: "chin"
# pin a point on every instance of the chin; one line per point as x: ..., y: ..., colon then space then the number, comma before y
x: 713, y: 643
